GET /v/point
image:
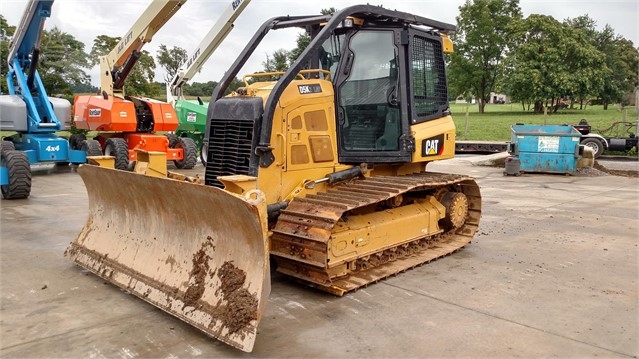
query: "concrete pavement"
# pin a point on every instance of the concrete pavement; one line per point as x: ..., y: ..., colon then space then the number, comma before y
x: 552, y: 272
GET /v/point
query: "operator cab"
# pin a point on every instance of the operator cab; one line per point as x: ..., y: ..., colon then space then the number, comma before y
x: 389, y: 82
x: 373, y: 67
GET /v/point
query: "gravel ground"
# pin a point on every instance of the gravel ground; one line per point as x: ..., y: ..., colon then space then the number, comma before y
x: 623, y: 165
x: 618, y: 168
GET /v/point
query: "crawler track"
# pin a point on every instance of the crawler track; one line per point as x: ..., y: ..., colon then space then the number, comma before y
x: 302, y: 238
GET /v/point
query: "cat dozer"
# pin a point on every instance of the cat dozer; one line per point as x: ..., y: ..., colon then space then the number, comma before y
x: 318, y: 172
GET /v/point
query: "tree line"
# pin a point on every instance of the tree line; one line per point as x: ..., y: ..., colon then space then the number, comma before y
x: 537, y: 61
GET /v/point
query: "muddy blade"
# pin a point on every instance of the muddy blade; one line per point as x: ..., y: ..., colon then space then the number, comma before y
x: 197, y: 252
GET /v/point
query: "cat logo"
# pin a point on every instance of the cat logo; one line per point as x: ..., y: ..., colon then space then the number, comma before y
x: 433, y: 146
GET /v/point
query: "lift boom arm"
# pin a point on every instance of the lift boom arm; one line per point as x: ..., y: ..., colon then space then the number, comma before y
x: 115, y: 66
x: 205, y: 49
x: 23, y: 78
x: 26, y: 37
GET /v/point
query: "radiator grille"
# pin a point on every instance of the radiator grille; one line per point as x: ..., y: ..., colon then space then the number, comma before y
x: 229, y: 150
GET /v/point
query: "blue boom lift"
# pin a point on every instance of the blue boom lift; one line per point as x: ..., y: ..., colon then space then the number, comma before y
x: 31, y: 114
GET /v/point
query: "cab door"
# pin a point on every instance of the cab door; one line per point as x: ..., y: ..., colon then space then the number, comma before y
x: 372, y: 117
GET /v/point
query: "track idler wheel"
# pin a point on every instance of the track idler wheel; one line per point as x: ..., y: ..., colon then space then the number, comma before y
x: 456, y: 205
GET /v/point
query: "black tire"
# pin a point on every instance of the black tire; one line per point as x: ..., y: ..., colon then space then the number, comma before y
x: 118, y: 148
x: 91, y: 147
x: 173, y: 139
x: 17, y: 164
x: 204, y: 154
x: 189, y: 159
x: 595, y: 144
x: 6, y: 146
x: 75, y: 141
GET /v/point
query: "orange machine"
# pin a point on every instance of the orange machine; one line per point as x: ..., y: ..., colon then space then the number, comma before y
x: 125, y: 123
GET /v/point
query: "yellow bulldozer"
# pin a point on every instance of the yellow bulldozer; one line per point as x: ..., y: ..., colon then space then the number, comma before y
x: 318, y: 172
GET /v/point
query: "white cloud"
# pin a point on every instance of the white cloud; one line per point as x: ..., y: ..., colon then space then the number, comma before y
x: 87, y: 19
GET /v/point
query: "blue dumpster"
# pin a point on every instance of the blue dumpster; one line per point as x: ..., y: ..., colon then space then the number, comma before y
x: 546, y: 148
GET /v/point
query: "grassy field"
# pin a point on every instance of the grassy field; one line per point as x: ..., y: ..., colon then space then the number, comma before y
x: 494, y: 124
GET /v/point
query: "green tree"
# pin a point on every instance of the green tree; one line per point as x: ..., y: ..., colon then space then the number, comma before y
x: 303, y: 39
x: 277, y: 62
x: 202, y: 89
x: 589, y: 79
x: 205, y: 90
x: 533, y: 65
x: 552, y: 60
x: 6, y: 32
x: 62, y: 62
x: 586, y: 26
x: 140, y: 80
x: 483, y: 39
x: 584, y: 63
x: 621, y: 60
x: 84, y: 88
x: 235, y: 84
x: 102, y: 45
x: 171, y: 60
x: 331, y: 10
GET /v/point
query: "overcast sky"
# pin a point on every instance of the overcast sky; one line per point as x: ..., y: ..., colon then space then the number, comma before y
x: 86, y: 19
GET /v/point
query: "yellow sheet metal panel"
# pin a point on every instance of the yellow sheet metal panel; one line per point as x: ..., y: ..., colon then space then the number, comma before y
x: 151, y: 163
x: 434, y: 140
x: 370, y: 233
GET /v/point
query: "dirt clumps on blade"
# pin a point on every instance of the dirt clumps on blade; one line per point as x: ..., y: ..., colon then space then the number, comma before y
x: 241, y: 305
x: 198, y: 275
x: 237, y: 307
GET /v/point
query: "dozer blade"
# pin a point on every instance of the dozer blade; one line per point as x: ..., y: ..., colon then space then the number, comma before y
x: 197, y: 252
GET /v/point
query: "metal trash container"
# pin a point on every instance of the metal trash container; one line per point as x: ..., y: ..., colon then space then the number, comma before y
x: 546, y: 148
